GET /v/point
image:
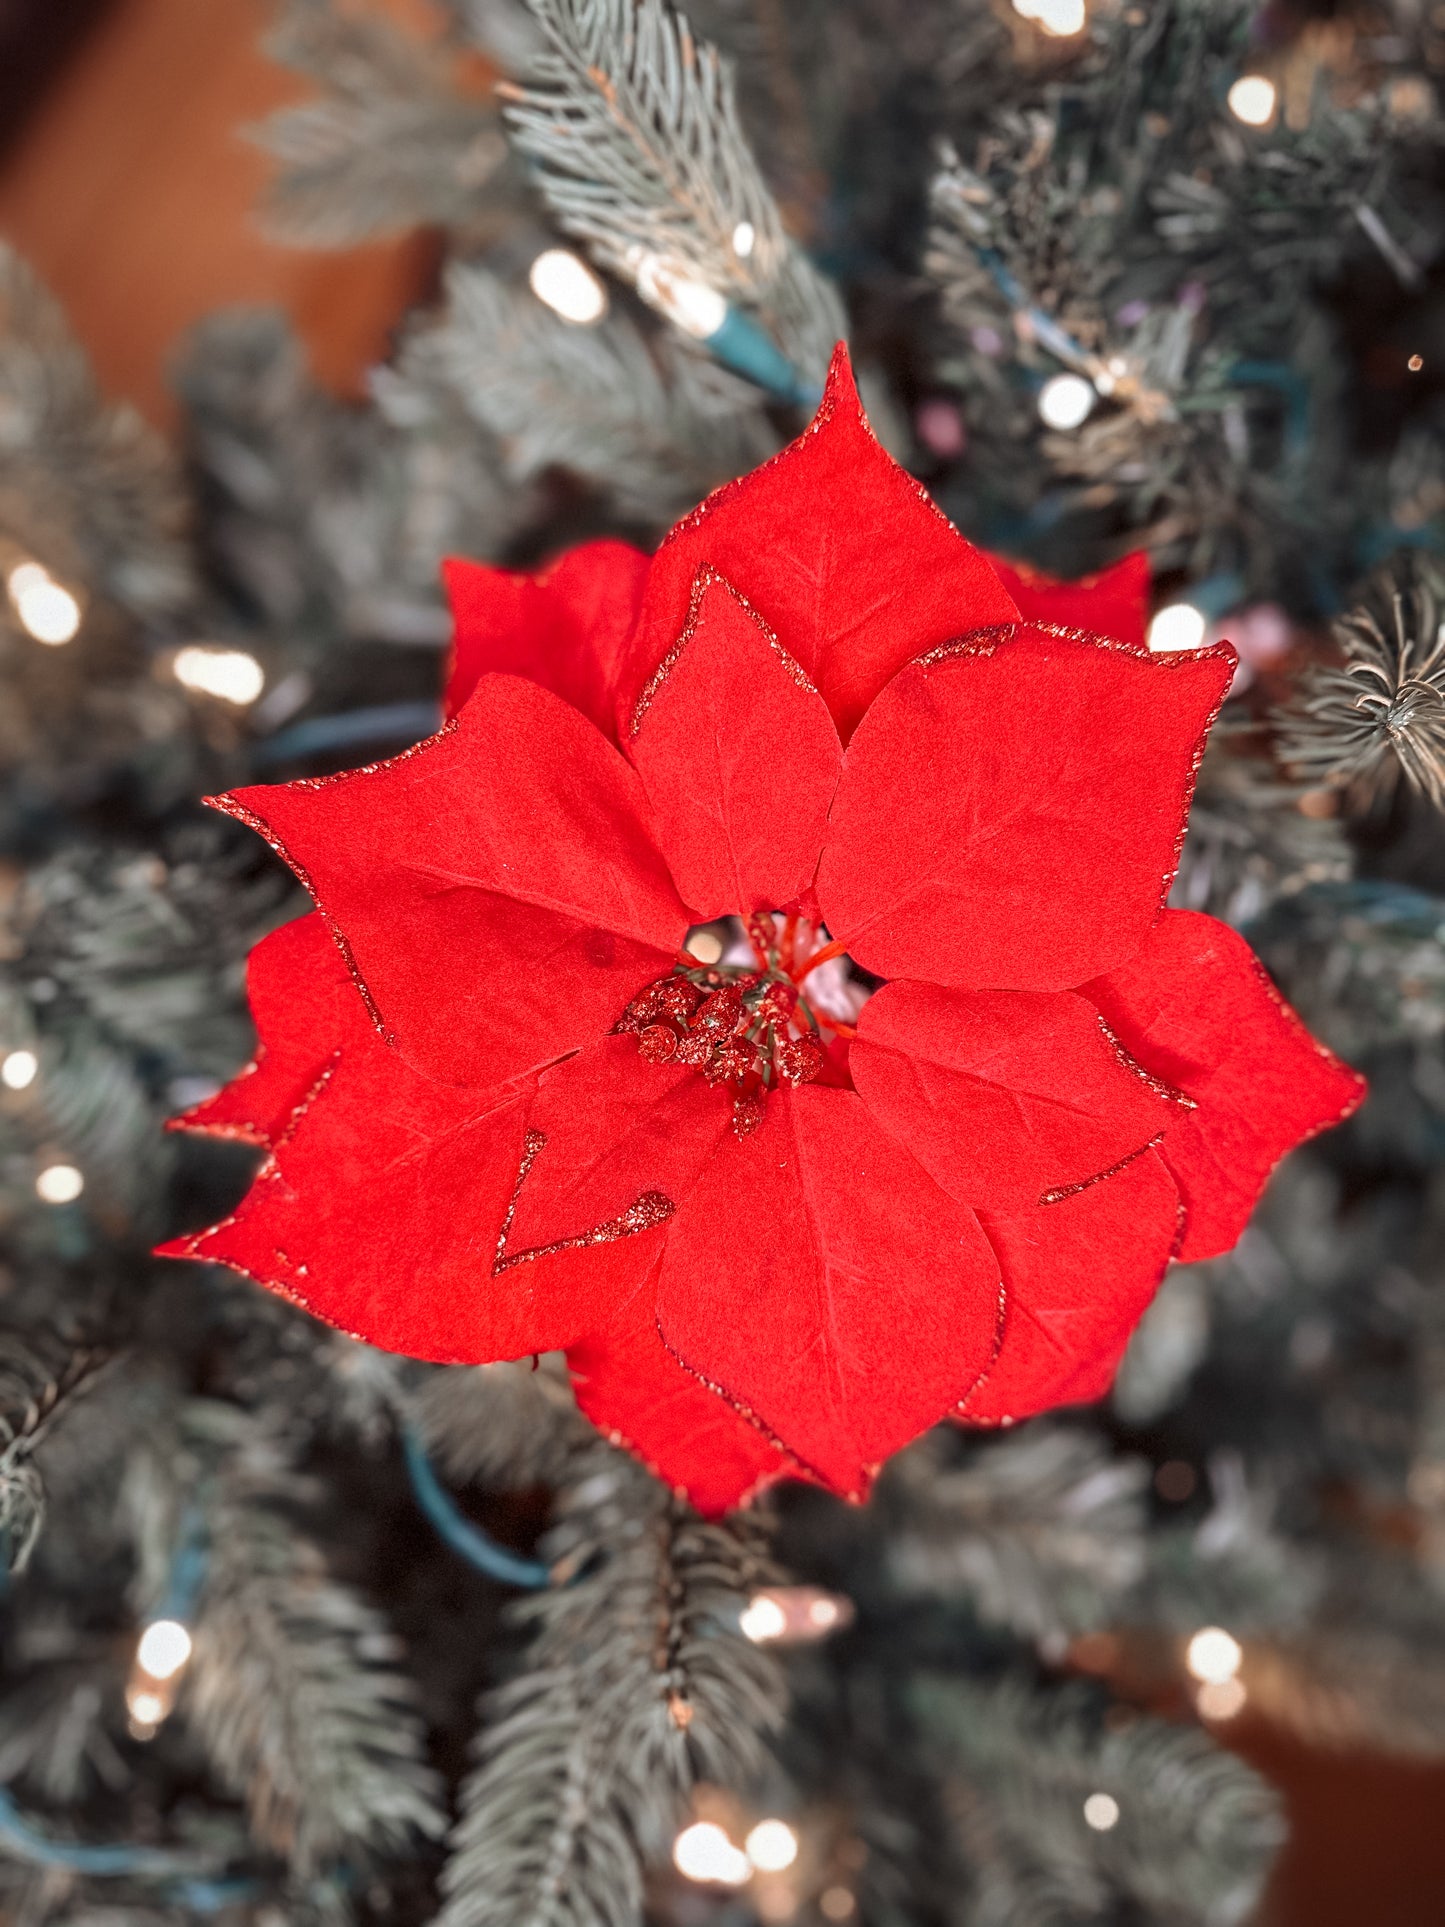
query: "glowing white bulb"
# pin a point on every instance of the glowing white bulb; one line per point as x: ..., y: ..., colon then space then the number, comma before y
x: 228, y: 673
x: 771, y: 1846
x: 704, y: 1852
x: 1060, y: 17
x: 24, y: 577
x: 146, y: 1708
x: 762, y: 1619
x: 823, y: 1613
x: 1220, y: 1699
x: 164, y: 1648
x: 49, y: 613
x: 1213, y: 1654
x: 688, y: 303
x: 18, y: 1069
x: 1251, y: 99
x: 705, y: 946
x: 568, y: 286
x: 1065, y: 401
x: 745, y: 239
x: 59, y: 1184
x: 1101, y: 1812
x: 1179, y: 625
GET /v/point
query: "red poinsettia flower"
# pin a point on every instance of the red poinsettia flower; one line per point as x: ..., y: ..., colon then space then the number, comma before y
x: 921, y: 1144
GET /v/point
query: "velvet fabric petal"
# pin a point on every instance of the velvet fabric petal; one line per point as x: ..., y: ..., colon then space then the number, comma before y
x: 615, y: 1129
x: 1010, y: 815
x: 739, y: 758
x: 1003, y: 1096
x: 637, y: 1394
x: 822, y: 1281
x: 1113, y: 603
x: 842, y: 554
x: 304, y: 1004
x: 566, y: 628
x: 1196, y: 1008
x: 1078, y: 1276
x: 383, y: 1209
x: 496, y: 888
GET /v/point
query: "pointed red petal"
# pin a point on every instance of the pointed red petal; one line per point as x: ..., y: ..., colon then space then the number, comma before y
x: 383, y: 1210
x: 820, y: 1278
x: 1010, y: 818
x: 566, y: 628
x: 841, y: 553
x: 1114, y: 603
x: 1003, y: 1096
x: 496, y: 887
x: 1078, y: 1276
x: 739, y: 757
x: 304, y: 1003
x: 635, y: 1391
x: 1196, y: 1008
x: 616, y: 1128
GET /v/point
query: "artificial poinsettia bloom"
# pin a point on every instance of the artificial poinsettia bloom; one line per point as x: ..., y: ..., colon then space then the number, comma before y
x: 922, y: 1139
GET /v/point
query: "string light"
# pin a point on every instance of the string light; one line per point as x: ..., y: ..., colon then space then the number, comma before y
x: 1178, y: 625
x: 837, y: 1903
x: 762, y: 1619
x: 18, y: 1068
x: 1220, y: 1699
x: 48, y: 612
x: 1252, y: 100
x: 690, y: 304
x: 1066, y: 400
x: 164, y: 1648
x: 703, y: 1852
x: 1415, y: 364
x: 794, y: 1614
x: 1213, y: 1655
x: 147, y: 1709
x: 210, y: 670
x: 563, y: 281
x: 771, y: 1846
x: 1101, y: 1812
x: 745, y: 239
x: 705, y: 945
x: 59, y: 1184
x: 1062, y: 18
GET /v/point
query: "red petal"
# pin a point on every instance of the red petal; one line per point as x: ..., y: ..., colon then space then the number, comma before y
x: 566, y: 628
x: 1078, y: 1276
x: 825, y: 1284
x: 841, y: 553
x: 739, y: 757
x: 304, y: 1003
x: 1196, y: 1008
x: 496, y: 887
x: 617, y: 1128
x: 1002, y: 1095
x: 1010, y: 817
x: 1114, y: 603
x: 634, y: 1390
x: 382, y: 1209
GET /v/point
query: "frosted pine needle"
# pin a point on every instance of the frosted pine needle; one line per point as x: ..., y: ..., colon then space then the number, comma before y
x: 1383, y: 713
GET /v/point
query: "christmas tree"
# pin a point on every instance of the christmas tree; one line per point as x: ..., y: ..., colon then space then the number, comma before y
x: 300, y: 1629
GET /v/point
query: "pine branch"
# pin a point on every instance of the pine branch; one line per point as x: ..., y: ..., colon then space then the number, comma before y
x: 35, y: 1397
x: 390, y: 145
x: 589, y: 400
x: 86, y: 489
x: 501, y: 1425
x: 1195, y: 1832
x: 1042, y: 1530
x: 294, y: 1690
x: 637, y: 1683
x: 633, y: 128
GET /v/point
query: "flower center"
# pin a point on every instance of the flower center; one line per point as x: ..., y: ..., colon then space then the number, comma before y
x: 752, y: 1025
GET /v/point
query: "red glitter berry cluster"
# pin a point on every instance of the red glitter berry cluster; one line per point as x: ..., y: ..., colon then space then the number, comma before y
x: 747, y: 1028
